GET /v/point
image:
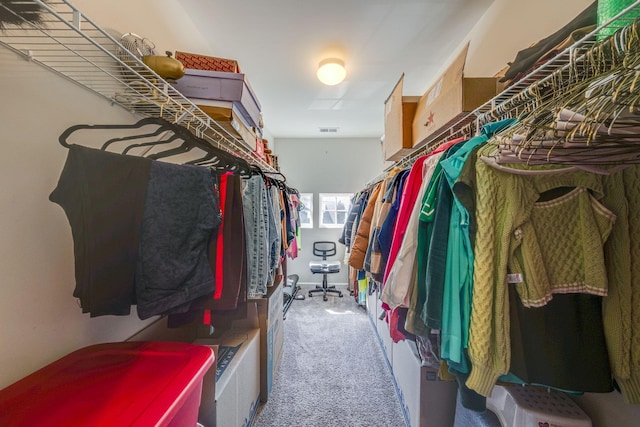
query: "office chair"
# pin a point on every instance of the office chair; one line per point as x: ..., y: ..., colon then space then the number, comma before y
x: 324, y: 267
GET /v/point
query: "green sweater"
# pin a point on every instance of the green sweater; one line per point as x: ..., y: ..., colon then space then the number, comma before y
x: 502, y: 201
x: 560, y: 249
x: 621, y: 307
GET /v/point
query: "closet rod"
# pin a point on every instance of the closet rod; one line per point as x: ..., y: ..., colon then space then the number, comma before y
x: 571, y: 56
x: 69, y: 44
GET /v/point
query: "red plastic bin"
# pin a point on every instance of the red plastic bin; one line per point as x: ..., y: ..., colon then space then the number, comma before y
x: 143, y: 384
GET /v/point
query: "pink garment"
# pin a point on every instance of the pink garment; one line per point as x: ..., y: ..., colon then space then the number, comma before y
x: 294, y: 203
x: 292, y: 252
x: 394, y: 331
x: 407, y: 200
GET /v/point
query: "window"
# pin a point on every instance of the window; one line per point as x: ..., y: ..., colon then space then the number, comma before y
x: 306, y: 210
x: 334, y: 208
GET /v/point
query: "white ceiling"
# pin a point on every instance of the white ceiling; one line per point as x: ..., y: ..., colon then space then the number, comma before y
x: 278, y: 44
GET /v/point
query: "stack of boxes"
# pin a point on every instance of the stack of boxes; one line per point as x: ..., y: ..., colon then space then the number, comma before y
x: 222, y: 91
x: 413, y: 121
x: 231, y: 399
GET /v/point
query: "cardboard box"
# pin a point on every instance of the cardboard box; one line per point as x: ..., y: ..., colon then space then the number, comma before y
x: 230, y: 119
x: 210, y: 63
x: 427, y: 400
x: 399, y: 111
x: 234, y: 398
x: 449, y: 99
x: 270, y: 319
x: 221, y: 86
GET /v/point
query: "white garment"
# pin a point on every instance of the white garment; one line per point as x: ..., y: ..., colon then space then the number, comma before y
x: 396, y: 292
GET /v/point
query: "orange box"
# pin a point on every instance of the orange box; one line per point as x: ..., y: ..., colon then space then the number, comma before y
x: 207, y: 63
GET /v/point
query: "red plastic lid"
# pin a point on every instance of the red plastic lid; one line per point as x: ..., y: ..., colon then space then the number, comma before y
x: 113, y: 384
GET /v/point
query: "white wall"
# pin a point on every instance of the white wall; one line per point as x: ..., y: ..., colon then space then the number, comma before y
x: 162, y: 21
x: 507, y: 27
x: 512, y: 25
x: 326, y: 166
x: 40, y: 319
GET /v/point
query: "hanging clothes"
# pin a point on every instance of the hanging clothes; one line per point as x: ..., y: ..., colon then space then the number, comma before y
x: 230, y: 257
x: 291, y: 203
x: 227, y: 260
x: 385, y: 236
x: 621, y: 307
x: 349, y: 235
x: 516, y: 195
x: 162, y: 262
x: 457, y: 289
x: 408, y: 197
x: 216, y: 249
x: 431, y: 249
x: 360, y: 244
x: 93, y: 189
x: 274, y: 234
x: 275, y: 237
x: 179, y: 216
x: 561, y: 345
x: 449, y: 267
x: 396, y: 291
x: 373, y: 263
x: 570, y: 261
x: 256, y: 217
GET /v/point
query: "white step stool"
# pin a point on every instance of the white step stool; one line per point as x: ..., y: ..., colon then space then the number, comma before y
x: 528, y: 406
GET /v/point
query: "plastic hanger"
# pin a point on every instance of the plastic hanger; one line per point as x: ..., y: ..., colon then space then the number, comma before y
x: 159, y: 130
x: 64, y: 136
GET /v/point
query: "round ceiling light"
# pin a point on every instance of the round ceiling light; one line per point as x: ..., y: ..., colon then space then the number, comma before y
x: 331, y: 71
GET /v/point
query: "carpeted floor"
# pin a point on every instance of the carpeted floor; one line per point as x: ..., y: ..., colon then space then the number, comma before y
x: 333, y: 372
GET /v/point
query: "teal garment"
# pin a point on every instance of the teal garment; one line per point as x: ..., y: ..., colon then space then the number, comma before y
x: 433, y: 230
x: 456, y: 304
x: 415, y: 321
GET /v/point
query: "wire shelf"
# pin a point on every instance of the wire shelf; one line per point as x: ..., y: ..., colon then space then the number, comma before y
x: 69, y: 44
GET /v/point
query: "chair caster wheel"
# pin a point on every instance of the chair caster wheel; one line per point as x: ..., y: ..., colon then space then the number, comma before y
x: 324, y: 298
x: 340, y: 295
x: 310, y: 294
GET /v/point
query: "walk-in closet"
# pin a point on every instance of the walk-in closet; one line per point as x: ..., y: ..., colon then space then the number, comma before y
x: 415, y: 213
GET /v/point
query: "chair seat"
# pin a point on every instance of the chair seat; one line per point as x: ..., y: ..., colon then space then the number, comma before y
x: 324, y: 266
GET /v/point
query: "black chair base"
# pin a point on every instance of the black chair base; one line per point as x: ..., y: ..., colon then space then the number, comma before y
x: 325, y: 289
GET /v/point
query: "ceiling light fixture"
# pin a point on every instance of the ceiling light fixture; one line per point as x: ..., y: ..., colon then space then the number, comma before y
x: 331, y: 71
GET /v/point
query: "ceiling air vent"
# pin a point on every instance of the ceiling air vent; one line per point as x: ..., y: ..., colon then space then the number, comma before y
x: 328, y: 130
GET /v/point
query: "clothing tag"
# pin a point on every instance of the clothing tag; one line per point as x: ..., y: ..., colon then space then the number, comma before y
x: 515, y: 278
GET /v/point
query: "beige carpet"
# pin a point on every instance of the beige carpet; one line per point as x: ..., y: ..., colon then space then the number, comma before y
x: 333, y: 372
